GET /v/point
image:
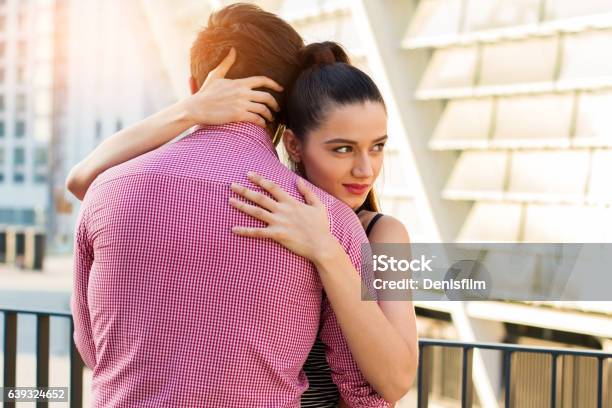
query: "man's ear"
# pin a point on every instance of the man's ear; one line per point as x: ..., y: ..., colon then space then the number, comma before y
x: 193, y: 85
x: 293, y: 145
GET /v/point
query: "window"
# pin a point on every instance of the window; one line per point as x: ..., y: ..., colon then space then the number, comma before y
x: 21, y: 21
x: 19, y: 156
x: 492, y: 222
x: 561, y: 9
x: 1, y: 129
x: 537, y: 56
x: 14, y: 216
x: 593, y: 127
x: 434, y: 20
x: 21, y: 49
x: 564, y: 176
x: 18, y: 165
x: 486, y: 14
x: 599, y: 179
x: 21, y: 75
x: 18, y: 178
x: 40, y: 156
x: 27, y: 217
x: 7, y: 215
x: 586, y: 46
x: 21, y: 103
x: 464, y: 123
x: 533, y: 120
x: 450, y: 68
x: 40, y: 165
x: 20, y: 129
x: 1, y: 157
x: 469, y: 181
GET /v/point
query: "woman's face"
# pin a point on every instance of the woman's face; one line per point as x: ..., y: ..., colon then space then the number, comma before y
x: 344, y: 155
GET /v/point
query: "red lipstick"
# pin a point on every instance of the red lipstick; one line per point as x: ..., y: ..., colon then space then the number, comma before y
x: 357, y: 189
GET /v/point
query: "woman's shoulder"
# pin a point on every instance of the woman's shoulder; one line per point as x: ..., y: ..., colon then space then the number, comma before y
x: 365, y: 217
x: 386, y: 228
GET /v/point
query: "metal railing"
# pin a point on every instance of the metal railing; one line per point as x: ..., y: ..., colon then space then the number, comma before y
x: 42, y: 353
x: 423, y: 377
x: 507, y: 350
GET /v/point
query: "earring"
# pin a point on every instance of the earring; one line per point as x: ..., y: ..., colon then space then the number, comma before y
x: 280, y: 129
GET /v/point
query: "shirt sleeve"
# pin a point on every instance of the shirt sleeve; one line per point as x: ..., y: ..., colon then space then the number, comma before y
x: 83, y: 260
x: 353, y: 387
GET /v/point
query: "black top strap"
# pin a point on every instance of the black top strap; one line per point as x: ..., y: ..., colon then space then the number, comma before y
x: 372, y: 222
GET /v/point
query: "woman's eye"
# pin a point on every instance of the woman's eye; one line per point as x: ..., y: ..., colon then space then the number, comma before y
x: 343, y: 149
x: 379, y: 147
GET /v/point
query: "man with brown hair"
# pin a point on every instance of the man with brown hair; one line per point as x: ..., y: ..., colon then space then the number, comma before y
x: 265, y: 44
x: 173, y: 309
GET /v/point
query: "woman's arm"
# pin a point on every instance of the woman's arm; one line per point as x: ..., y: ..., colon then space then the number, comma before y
x: 218, y: 101
x: 382, y: 338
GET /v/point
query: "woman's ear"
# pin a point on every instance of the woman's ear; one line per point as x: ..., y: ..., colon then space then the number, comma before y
x: 293, y: 145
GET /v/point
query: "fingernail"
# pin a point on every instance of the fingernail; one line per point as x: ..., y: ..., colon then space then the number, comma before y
x: 251, y: 174
x: 234, y: 186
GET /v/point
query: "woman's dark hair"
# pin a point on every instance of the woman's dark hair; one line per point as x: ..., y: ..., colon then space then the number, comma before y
x: 326, y: 79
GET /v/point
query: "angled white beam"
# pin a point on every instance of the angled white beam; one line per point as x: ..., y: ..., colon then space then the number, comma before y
x: 174, y: 25
x: 396, y: 71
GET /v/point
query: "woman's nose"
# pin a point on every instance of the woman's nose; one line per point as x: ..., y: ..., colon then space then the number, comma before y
x: 363, y: 167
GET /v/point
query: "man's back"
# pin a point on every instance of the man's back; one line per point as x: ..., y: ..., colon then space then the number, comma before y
x: 171, y: 307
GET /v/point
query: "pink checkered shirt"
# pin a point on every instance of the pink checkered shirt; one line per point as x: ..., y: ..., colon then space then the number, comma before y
x: 172, y: 309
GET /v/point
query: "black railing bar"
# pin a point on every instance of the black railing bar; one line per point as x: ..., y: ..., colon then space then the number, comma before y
x: 10, y: 353
x: 420, y: 377
x: 466, y: 378
x: 518, y: 348
x: 57, y: 313
x: 553, y: 381
x: 42, y: 354
x: 599, y: 382
x: 507, y: 373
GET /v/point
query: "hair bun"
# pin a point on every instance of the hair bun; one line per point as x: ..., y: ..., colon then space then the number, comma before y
x: 322, y: 53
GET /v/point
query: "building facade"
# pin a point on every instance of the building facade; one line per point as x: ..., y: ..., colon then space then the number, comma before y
x: 26, y: 84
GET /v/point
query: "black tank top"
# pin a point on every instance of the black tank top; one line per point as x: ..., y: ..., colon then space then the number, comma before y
x: 322, y: 392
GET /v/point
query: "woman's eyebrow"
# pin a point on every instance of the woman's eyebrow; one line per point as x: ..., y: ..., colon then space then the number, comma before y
x: 352, y: 142
x: 345, y: 141
x: 382, y: 138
